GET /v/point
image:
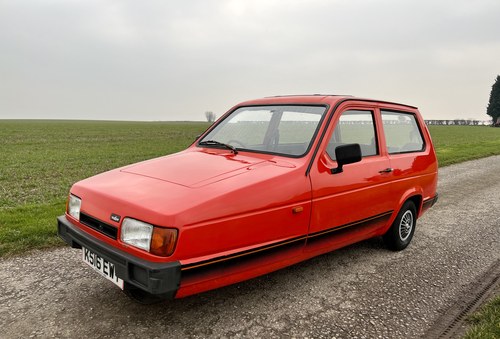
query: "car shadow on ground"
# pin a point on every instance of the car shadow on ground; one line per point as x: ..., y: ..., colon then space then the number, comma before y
x: 295, y: 277
x: 276, y: 299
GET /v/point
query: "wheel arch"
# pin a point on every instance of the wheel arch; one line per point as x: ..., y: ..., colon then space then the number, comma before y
x: 401, y: 230
x: 417, y: 200
x: 415, y: 194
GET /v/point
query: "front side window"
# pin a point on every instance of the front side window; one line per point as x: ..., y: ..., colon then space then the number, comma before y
x: 402, y: 134
x: 354, y: 127
x: 286, y: 130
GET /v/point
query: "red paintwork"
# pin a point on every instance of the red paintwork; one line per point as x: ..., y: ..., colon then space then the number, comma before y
x: 223, y: 203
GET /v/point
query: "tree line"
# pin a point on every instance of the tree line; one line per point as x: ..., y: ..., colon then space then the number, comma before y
x: 458, y: 122
x: 493, y: 110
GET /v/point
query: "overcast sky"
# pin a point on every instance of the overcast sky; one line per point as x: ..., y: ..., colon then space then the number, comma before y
x: 174, y: 59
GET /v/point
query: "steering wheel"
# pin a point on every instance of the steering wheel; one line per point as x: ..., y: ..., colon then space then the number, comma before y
x: 234, y: 141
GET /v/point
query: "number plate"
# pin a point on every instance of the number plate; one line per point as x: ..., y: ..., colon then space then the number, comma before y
x: 102, y: 266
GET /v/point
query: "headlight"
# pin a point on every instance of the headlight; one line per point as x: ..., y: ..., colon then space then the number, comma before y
x: 136, y: 233
x: 156, y: 240
x: 74, y: 205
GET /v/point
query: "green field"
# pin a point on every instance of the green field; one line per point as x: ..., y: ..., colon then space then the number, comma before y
x: 456, y: 144
x: 39, y: 161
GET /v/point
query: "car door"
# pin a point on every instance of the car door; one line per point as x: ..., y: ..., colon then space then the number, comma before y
x: 411, y: 155
x: 354, y: 204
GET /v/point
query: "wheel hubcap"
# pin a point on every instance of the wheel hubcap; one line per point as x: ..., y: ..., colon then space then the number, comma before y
x: 406, y: 225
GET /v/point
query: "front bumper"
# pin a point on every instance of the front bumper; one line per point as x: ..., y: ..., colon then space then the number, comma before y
x: 161, y: 279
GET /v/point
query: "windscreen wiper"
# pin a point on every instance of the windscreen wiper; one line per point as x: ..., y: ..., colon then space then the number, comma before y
x: 218, y: 143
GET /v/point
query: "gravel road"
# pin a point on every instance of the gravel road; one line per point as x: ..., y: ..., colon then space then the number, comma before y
x: 362, y: 291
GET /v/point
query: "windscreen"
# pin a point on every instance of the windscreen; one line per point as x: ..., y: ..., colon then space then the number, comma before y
x: 285, y: 130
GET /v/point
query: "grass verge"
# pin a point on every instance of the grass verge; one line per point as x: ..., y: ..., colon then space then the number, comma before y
x: 30, y: 226
x: 485, y: 324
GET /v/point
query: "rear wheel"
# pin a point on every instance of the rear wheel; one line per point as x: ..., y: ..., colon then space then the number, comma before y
x: 398, y: 237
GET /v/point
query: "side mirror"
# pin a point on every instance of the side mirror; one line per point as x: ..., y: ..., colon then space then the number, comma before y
x: 346, y: 154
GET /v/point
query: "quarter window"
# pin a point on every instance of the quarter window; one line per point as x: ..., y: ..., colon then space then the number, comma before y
x: 354, y: 127
x: 402, y: 134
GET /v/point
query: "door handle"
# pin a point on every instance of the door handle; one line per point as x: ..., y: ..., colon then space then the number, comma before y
x: 387, y: 170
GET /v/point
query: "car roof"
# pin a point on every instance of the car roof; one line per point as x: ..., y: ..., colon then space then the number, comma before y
x: 321, y: 99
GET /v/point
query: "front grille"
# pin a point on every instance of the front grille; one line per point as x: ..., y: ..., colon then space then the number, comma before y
x: 99, y: 226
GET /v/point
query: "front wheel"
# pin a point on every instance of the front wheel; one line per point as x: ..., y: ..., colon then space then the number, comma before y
x: 398, y: 237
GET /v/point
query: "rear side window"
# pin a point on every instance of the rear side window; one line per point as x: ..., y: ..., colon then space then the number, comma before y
x: 402, y: 133
x: 354, y: 127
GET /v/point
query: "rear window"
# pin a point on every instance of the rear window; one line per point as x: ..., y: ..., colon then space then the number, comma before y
x: 402, y: 133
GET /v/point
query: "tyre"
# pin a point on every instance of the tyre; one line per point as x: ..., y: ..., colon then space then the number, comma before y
x: 398, y: 237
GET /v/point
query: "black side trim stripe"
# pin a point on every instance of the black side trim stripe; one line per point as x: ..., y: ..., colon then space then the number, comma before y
x: 315, y: 235
x: 241, y: 254
x: 338, y: 228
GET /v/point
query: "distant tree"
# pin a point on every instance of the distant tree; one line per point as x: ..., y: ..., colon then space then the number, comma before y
x: 210, y: 116
x: 493, y: 109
